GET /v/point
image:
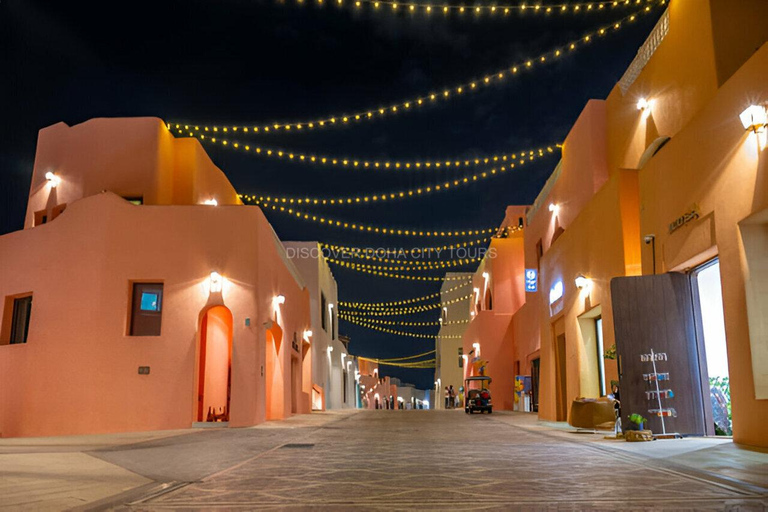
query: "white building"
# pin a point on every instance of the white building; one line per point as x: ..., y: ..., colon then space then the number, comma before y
x: 455, y: 317
x: 333, y: 369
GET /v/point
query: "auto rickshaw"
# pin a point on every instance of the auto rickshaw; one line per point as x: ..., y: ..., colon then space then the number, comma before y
x: 477, y: 396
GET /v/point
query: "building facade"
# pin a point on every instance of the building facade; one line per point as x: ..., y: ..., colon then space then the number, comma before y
x: 454, y: 318
x: 648, y: 241
x: 142, y: 295
x: 333, y: 368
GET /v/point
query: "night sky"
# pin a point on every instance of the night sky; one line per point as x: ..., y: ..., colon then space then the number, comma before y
x: 251, y: 62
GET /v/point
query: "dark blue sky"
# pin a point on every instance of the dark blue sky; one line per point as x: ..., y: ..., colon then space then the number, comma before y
x: 260, y: 61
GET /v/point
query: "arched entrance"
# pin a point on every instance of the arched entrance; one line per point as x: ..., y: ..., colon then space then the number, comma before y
x: 275, y: 380
x: 214, y: 377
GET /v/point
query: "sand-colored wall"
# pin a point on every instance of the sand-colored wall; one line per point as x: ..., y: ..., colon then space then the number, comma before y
x: 722, y: 169
x: 132, y: 157
x: 77, y: 373
x: 447, y: 349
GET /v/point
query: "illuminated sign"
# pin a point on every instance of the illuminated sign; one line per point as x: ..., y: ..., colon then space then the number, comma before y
x: 531, y: 280
x: 556, y: 292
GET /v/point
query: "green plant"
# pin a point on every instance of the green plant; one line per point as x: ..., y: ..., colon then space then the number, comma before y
x: 611, y: 352
x: 724, y: 385
x: 637, y: 419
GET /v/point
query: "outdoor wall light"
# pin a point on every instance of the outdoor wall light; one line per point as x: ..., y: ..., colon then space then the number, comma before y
x: 216, y: 282
x: 477, y: 348
x: 330, y: 349
x: 53, y: 180
x: 486, y: 275
x: 308, y: 333
x: 644, y: 104
x: 583, y: 283
x: 754, y: 117
x: 211, y: 202
x: 279, y: 299
x: 554, y: 208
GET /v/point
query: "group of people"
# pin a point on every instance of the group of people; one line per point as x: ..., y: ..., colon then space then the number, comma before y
x: 452, y: 400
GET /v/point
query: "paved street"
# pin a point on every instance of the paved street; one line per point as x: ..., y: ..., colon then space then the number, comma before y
x: 430, y: 460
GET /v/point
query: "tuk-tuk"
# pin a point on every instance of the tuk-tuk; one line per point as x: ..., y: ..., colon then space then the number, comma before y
x: 477, y: 396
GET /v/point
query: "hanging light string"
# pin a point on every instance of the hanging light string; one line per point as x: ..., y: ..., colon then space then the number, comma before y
x: 406, y: 268
x: 381, y: 321
x: 434, y: 11
x: 357, y: 268
x: 410, y: 310
x: 401, y: 194
x: 387, y: 330
x: 418, y: 102
x: 371, y: 253
x: 409, y: 265
x: 372, y: 229
x: 396, y: 359
x: 361, y: 163
x: 371, y: 305
x: 426, y: 365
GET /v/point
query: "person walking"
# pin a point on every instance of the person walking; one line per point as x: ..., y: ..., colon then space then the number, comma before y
x: 451, y: 397
x: 447, y: 397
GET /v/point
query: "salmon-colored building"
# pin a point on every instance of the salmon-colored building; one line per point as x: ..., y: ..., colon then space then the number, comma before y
x: 651, y: 233
x: 141, y: 294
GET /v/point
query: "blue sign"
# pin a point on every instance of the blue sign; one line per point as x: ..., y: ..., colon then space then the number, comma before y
x: 531, y: 280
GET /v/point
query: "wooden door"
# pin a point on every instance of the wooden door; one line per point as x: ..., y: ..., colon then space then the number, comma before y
x: 657, y: 312
x: 562, y: 379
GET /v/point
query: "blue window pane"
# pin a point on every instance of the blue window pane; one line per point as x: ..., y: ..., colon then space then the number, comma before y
x: 150, y: 301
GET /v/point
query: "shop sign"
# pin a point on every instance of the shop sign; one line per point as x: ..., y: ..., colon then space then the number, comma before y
x: 531, y: 280
x: 684, y: 219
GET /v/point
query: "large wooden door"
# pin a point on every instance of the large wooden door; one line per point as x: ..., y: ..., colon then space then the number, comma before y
x: 657, y: 313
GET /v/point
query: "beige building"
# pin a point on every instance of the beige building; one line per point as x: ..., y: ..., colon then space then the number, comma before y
x: 454, y: 319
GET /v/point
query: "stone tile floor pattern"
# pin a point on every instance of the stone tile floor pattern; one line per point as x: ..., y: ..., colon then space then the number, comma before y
x: 441, y: 460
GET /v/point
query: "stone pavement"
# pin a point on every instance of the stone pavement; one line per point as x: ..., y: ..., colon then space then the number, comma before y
x: 427, y: 460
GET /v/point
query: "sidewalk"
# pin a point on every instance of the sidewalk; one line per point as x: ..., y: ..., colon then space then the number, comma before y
x: 711, y: 456
x: 61, y: 473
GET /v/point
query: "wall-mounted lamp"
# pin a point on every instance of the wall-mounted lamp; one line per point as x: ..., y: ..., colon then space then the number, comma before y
x: 476, y: 346
x: 53, y: 180
x: 330, y: 349
x: 216, y: 282
x: 472, y: 313
x: 211, y: 202
x: 554, y: 208
x: 308, y: 333
x: 278, y: 300
x: 754, y: 117
x: 644, y: 104
x: 583, y: 283
x: 486, y: 275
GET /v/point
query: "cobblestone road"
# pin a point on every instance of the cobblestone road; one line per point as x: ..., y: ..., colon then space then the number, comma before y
x: 441, y: 460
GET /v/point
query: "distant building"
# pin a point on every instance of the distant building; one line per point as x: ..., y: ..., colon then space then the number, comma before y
x: 449, y: 351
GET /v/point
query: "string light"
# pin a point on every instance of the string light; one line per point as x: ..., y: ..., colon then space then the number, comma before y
x: 369, y: 253
x: 360, y: 268
x: 357, y: 163
x: 406, y: 266
x: 487, y: 11
x: 395, y: 311
x: 417, y: 264
x: 405, y: 324
x: 372, y: 229
x: 372, y: 305
x: 417, y: 102
x: 396, y: 359
x: 381, y: 197
x: 375, y: 327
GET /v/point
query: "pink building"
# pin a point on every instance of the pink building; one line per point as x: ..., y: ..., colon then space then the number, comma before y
x: 141, y: 294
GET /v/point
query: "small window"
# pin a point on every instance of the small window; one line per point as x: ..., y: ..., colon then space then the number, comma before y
x: 41, y: 217
x: 539, y: 254
x: 146, y: 309
x: 323, y: 308
x: 20, y: 314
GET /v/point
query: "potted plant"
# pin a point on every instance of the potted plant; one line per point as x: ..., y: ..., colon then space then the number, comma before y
x: 637, y: 421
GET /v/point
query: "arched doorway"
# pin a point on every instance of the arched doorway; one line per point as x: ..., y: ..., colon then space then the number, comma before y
x: 275, y: 380
x: 214, y: 378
